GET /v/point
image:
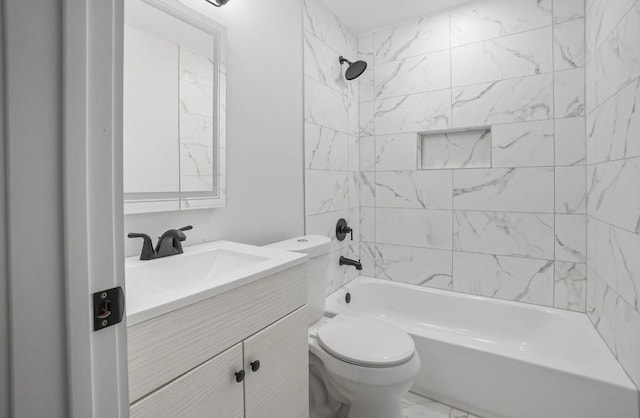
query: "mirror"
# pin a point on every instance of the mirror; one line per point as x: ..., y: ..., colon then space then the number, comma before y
x: 174, y: 108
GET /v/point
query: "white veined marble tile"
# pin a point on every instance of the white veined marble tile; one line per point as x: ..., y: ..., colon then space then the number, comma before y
x: 511, y: 278
x: 196, y: 99
x: 569, y: 93
x: 368, y: 259
x: 564, y: 10
x: 503, y: 233
x: 353, y: 220
x: 367, y: 187
x: 571, y: 238
x: 518, y: 55
x: 196, y: 68
x: 500, y: 189
x: 325, y: 149
x: 604, y: 313
x: 196, y: 129
x: 617, y: 261
x: 602, y: 17
x: 365, y: 47
x: 418, y: 266
x: 321, y: 63
x: 570, y: 141
x: 365, y: 81
x: 396, y: 152
x: 614, y: 125
x: 570, y: 286
x: 614, y: 195
x: 591, y: 293
x: 326, y: 191
x: 478, y: 21
x: 462, y: 149
x: 325, y: 106
x: 513, y: 100
x: 417, y: 74
x: 196, y: 160
x: 354, y: 189
x: 325, y: 224
x: 571, y: 189
x: 353, y: 160
x: 196, y: 183
x: 627, y: 339
x: 524, y: 144
x: 568, y: 45
x: 366, y: 86
x: 414, y: 189
x: 421, y: 36
x: 366, y: 119
x: 424, y: 228
x: 415, y: 406
x: 413, y: 113
x: 367, y: 153
x: 617, y: 60
x: 592, y: 242
x: 367, y: 224
x: 354, y: 118
x: 324, y: 25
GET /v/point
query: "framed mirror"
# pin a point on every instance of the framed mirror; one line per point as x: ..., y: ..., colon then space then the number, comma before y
x: 174, y: 108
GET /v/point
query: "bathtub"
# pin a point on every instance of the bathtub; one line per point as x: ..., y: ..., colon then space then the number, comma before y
x: 498, y: 359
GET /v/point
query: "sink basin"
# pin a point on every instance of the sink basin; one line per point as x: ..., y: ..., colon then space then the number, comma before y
x: 156, y: 287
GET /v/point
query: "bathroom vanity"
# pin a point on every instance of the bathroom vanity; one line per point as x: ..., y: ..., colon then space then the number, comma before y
x: 230, y: 344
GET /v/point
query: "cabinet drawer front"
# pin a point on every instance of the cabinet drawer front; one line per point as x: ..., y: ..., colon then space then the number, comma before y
x: 280, y: 387
x: 209, y: 390
x: 165, y: 347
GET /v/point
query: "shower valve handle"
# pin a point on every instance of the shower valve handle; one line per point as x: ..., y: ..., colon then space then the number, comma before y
x: 342, y: 229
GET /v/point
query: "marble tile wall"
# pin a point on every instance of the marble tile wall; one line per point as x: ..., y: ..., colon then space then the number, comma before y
x: 196, y: 122
x: 330, y: 135
x: 501, y: 215
x: 613, y: 176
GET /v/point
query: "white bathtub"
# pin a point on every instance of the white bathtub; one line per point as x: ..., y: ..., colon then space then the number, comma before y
x: 499, y: 359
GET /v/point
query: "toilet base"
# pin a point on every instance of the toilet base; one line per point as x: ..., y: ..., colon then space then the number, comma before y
x: 391, y: 408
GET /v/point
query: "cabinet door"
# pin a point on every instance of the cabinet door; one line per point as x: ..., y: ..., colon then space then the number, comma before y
x: 280, y: 387
x: 209, y: 390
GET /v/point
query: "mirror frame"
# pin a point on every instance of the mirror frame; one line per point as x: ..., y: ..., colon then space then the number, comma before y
x: 179, y: 201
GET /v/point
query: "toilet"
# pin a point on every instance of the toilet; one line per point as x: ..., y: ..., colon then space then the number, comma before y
x: 365, y: 363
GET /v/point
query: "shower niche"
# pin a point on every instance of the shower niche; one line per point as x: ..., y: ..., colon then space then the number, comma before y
x: 455, y: 148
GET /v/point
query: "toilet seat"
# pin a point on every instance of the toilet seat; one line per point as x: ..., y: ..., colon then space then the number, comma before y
x: 365, y: 342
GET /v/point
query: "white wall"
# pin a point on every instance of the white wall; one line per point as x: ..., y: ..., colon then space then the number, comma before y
x: 35, y: 241
x: 4, y: 310
x: 264, y: 139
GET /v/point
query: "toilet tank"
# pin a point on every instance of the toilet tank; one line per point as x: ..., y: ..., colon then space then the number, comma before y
x: 317, y: 248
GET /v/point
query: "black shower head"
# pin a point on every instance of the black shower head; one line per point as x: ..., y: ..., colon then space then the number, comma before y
x: 355, y: 69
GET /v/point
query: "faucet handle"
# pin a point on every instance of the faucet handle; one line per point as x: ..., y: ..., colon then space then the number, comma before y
x: 186, y: 228
x: 148, y: 253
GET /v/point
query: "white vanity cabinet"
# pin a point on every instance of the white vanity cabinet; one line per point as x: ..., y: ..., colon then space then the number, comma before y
x: 184, y: 363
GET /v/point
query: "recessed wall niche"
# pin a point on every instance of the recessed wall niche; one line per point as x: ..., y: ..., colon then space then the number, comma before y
x: 462, y: 148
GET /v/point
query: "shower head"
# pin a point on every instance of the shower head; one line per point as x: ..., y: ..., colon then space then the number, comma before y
x: 355, y: 69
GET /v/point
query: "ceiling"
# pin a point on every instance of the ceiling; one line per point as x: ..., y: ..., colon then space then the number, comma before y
x: 367, y: 15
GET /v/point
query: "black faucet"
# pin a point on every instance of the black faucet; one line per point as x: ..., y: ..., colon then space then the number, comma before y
x: 170, y: 243
x: 344, y: 261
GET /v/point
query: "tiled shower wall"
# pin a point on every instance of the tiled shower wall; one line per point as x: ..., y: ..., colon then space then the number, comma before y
x: 500, y: 215
x: 613, y: 176
x: 330, y: 135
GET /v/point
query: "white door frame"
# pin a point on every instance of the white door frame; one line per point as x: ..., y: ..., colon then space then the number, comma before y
x: 94, y: 255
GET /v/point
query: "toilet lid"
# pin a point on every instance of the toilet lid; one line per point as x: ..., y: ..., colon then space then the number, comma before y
x: 365, y: 342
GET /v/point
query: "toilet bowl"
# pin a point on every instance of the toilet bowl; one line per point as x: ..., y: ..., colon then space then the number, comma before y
x: 366, y: 363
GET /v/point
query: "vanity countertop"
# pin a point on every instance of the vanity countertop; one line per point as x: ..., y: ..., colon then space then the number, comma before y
x: 159, y: 286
